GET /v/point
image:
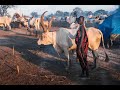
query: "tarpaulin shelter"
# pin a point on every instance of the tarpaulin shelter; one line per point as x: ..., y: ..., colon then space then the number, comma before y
x: 111, y: 25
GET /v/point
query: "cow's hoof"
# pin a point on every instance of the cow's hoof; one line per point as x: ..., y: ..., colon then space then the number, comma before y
x: 94, y: 67
x: 67, y: 68
x: 84, y: 78
x: 82, y: 75
x: 106, y: 60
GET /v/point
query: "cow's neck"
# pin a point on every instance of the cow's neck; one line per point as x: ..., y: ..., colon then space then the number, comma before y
x: 54, y: 41
x: 52, y: 36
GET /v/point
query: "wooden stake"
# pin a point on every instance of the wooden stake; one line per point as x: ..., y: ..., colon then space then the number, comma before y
x: 13, y: 50
x: 17, y: 67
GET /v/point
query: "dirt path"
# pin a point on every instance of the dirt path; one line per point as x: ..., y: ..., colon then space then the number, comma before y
x: 41, y: 64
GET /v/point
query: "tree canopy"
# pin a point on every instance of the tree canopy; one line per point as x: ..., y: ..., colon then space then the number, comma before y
x: 4, y: 9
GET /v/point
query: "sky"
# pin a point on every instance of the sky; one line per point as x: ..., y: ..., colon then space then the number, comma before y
x: 27, y: 9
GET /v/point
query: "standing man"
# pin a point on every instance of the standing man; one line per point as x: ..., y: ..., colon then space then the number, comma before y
x: 81, y: 41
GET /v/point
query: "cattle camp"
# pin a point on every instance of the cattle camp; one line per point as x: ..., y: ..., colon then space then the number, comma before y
x: 59, y: 45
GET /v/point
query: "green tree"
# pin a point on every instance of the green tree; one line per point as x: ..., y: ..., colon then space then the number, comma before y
x: 101, y: 11
x: 77, y: 11
x: 66, y: 14
x: 34, y: 14
x: 59, y: 13
x: 4, y: 9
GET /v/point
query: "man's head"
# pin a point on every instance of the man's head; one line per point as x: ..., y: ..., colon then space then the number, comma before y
x: 80, y: 20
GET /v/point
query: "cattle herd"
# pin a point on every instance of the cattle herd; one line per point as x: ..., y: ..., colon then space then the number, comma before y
x: 63, y: 39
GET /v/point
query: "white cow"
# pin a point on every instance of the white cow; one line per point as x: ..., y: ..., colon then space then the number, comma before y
x: 21, y: 19
x: 5, y: 22
x: 35, y: 24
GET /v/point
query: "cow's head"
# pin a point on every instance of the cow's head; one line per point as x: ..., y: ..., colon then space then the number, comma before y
x: 71, y: 19
x: 45, y: 39
x: 80, y: 20
x: 21, y: 19
x: 45, y: 28
x: 24, y: 21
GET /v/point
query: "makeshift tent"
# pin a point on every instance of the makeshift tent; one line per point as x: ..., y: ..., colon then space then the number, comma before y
x: 111, y: 25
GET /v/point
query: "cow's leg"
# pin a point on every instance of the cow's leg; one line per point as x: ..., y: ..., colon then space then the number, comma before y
x: 9, y: 27
x: 95, y: 56
x: 20, y: 25
x: 35, y: 29
x: 3, y: 27
x: 36, y: 33
x: 68, y: 57
x: 28, y: 31
x: 109, y: 43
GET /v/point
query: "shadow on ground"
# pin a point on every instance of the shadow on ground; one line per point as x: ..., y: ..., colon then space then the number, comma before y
x: 43, y: 57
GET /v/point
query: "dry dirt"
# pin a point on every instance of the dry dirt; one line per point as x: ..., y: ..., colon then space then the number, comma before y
x: 40, y: 65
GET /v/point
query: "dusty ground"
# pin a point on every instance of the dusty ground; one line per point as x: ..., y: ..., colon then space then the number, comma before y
x: 40, y: 65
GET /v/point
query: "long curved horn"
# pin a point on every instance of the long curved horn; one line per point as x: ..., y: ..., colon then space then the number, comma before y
x: 50, y: 23
x: 42, y: 21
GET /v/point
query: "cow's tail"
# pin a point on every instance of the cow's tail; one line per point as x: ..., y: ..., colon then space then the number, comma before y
x: 107, y: 58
